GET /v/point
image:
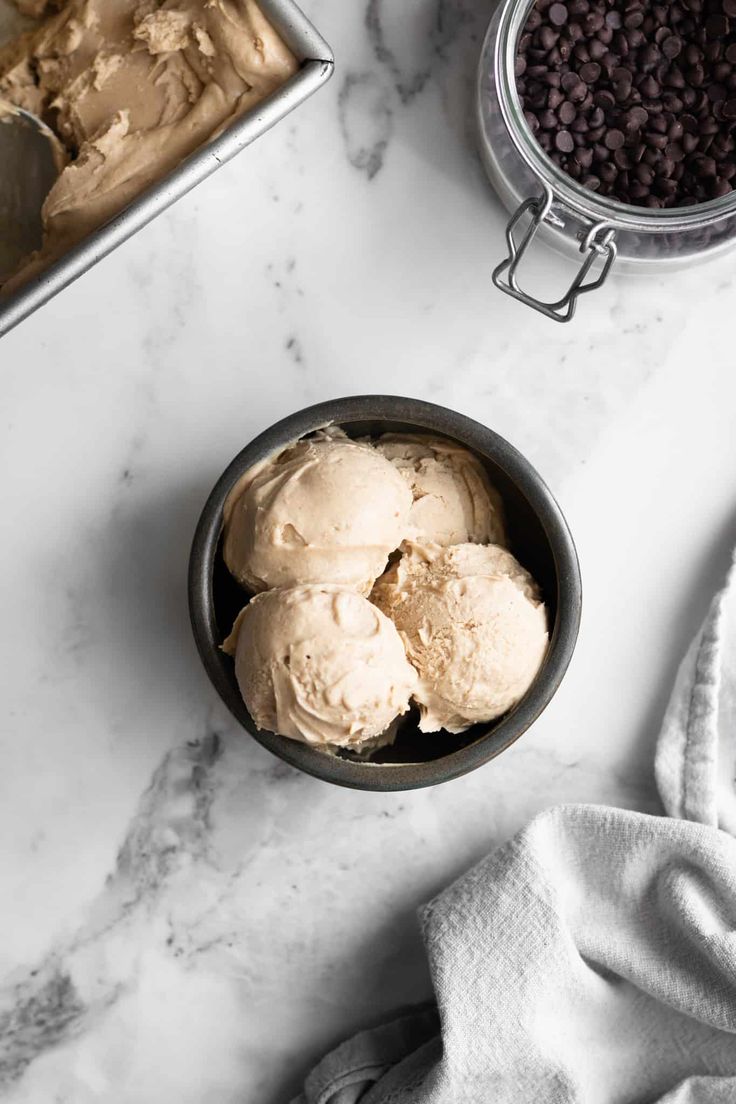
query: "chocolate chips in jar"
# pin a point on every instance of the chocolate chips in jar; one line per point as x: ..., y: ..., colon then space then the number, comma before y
x: 635, y: 101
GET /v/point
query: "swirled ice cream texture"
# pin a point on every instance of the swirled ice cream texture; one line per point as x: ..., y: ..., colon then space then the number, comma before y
x: 131, y: 88
x: 320, y: 664
x: 453, y: 499
x: 326, y: 509
x: 474, y: 627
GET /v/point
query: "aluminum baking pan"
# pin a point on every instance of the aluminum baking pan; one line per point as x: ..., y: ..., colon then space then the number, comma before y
x: 316, y: 68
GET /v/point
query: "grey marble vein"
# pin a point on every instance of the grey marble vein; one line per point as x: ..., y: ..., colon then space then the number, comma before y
x: 411, y: 48
x: 45, y: 1004
x: 366, y: 121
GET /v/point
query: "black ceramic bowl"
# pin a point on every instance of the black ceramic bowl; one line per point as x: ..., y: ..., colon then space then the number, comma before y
x: 539, y: 537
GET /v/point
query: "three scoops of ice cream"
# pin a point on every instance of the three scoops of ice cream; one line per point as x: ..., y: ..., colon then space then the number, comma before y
x: 380, y: 576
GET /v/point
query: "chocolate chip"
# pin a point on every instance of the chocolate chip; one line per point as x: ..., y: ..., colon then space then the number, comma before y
x: 672, y: 47
x: 614, y: 139
x: 558, y: 15
x: 604, y: 99
x: 706, y: 166
x: 564, y: 140
x: 566, y: 113
x: 622, y: 90
x: 675, y: 78
x: 592, y: 22
x: 590, y: 72
x: 672, y: 103
x: 547, y: 38
x: 645, y: 174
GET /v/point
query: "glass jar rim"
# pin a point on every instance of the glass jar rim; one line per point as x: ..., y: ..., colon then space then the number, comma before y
x: 584, y: 201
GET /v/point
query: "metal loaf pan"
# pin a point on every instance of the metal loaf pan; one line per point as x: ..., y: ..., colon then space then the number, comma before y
x: 316, y: 68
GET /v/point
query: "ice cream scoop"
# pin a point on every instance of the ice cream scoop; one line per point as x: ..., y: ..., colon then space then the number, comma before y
x: 31, y: 159
x: 453, y: 499
x: 474, y: 627
x: 320, y: 664
x: 326, y: 509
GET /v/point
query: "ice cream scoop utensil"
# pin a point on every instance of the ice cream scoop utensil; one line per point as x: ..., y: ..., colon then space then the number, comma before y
x: 30, y: 161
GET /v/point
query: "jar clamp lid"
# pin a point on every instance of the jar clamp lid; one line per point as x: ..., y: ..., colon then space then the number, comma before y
x: 599, y: 241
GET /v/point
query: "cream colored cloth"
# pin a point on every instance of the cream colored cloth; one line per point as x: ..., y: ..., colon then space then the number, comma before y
x: 592, y: 959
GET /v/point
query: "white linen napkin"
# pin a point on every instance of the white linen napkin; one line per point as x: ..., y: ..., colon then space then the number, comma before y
x: 592, y: 959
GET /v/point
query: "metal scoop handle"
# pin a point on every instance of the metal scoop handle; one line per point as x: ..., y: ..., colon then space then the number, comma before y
x: 30, y: 161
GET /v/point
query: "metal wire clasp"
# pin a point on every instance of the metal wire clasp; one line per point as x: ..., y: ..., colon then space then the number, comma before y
x: 597, y: 242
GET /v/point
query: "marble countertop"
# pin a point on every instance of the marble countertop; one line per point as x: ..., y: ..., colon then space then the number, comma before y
x: 183, y: 917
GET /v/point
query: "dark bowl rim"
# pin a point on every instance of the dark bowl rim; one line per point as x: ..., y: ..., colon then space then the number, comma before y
x: 430, y: 417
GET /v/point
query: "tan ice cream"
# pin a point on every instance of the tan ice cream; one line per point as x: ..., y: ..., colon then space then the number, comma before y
x: 132, y: 87
x: 454, y: 501
x: 320, y: 664
x: 474, y: 627
x: 327, y: 509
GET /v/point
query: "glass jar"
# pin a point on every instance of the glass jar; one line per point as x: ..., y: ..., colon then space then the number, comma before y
x: 547, y: 203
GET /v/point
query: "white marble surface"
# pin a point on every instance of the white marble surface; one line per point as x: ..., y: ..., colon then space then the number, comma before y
x: 184, y: 919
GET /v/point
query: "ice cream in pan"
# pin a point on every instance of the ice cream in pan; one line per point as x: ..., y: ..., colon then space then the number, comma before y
x: 131, y: 88
x: 381, y: 579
